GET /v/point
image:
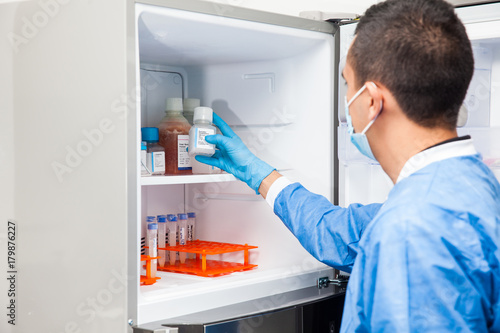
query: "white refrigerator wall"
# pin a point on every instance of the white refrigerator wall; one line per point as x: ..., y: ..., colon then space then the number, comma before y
x: 273, y: 85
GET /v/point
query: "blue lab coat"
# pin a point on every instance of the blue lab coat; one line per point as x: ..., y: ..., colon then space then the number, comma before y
x: 427, y: 260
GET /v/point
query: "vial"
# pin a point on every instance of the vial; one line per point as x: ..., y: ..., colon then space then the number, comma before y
x: 153, y: 247
x: 174, y: 138
x: 190, y: 230
x: 202, y: 127
x: 144, y: 160
x: 172, y: 235
x: 182, y: 235
x: 162, y: 233
x: 155, y: 154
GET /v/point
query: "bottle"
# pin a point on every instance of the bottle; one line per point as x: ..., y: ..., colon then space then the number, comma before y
x: 172, y: 235
x: 182, y: 235
x: 197, y: 144
x: 202, y: 127
x: 189, y: 105
x: 155, y: 153
x: 174, y: 138
x: 144, y: 161
x: 190, y: 230
x: 153, y: 247
x: 162, y: 232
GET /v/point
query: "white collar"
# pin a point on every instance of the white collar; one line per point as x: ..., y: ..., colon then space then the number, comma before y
x: 435, y: 154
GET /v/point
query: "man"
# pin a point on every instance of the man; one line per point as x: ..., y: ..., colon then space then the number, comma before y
x: 427, y: 259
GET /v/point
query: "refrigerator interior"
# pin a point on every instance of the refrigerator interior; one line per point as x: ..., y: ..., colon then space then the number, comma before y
x: 363, y: 181
x: 274, y: 86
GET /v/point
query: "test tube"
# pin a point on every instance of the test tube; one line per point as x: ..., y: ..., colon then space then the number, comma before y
x: 182, y: 235
x: 162, y: 231
x: 190, y: 233
x: 152, y: 243
x: 172, y: 235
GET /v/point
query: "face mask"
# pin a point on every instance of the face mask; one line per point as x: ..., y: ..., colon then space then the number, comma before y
x: 359, y: 140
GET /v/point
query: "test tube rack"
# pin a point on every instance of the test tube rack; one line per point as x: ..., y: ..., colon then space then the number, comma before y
x: 201, y: 266
x: 148, y: 279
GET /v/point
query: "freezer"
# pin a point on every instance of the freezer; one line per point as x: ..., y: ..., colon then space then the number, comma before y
x: 83, y: 78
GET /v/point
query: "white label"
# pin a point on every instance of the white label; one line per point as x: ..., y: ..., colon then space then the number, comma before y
x: 158, y: 160
x: 200, y: 134
x: 182, y: 236
x: 153, y: 249
x: 183, y: 162
x: 144, y: 162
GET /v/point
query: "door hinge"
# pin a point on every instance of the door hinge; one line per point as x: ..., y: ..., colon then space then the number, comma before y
x: 340, y: 281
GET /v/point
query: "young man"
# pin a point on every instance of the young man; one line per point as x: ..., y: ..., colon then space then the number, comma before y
x: 427, y: 259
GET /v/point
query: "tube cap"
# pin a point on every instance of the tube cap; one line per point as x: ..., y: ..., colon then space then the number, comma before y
x: 152, y: 226
x: 191, y: 215
x: 171, y: 218
x: 203, y: 113
x: 162, y: 219
x: 150, y: 134
x: 150, y: 219
x: 182, y: 216
x: 174, y: 104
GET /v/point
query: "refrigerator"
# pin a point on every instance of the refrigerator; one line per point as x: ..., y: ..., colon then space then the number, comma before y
x: 82, y: 78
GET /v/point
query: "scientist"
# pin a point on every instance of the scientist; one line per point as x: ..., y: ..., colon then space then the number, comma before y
x: 427, y: 259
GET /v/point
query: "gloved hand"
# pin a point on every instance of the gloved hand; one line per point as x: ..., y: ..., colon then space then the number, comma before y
x: 234, y: 157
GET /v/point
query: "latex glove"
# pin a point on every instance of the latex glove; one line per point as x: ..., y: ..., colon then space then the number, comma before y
x: 234, y: 157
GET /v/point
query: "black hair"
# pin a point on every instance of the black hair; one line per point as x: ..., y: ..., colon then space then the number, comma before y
x: 420, y: 51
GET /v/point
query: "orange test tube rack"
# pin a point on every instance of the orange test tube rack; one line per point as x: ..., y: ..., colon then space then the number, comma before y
x: 147, y: 279
x: 201, y: 266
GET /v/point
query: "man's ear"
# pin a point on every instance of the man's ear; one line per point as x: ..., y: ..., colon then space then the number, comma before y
x: 377, y: 100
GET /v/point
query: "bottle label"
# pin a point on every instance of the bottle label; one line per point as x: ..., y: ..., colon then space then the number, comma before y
x: 158, y: 162
x: 144, y: 162
x: 183, y: 162
x: 200, y: 134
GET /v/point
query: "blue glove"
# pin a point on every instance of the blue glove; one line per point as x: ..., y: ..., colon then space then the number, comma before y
x: 234, y: 157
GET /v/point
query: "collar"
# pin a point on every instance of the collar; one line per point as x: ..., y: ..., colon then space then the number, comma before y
x: 451, y: 148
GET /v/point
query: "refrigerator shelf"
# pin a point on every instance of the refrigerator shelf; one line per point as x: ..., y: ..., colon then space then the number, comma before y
x: 208, y: 268
x: 186, y: 179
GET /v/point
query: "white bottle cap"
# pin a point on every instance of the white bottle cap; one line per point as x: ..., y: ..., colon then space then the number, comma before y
x: 191, y: 103
x: 203, y: 113
x: 174, y: 104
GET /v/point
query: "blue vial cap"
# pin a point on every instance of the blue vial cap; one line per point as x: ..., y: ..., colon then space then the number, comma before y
x: 162, y: 218
x: 191, y: 215
x: 171, y: 218
x: 152, y: 226
x: 182, y: 216
x: 150, y: 219
x: 150, y: 134
x: 143, y: 145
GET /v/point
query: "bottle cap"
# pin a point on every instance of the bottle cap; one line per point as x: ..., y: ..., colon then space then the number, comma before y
x: 203, y: 113
x: 191, y: 215
x: 150, y: 134
x: 174, y: 104
x: 171, y: 218
x: 182, y: 216
x: 152, y: 226
x: 162, y: 218
x: 190, y: 104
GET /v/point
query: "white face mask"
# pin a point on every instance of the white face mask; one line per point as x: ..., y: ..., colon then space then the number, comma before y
x: 360, y: 140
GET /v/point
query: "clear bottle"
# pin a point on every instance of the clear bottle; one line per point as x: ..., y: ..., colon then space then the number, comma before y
x: 162, y: 235
x: 190, y: 230
x: 172, y: 235
x: 174, y: 138
x: 189, y: 105
x: 153, y: 246
x: 183, y: 230
x: 155, y: 153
